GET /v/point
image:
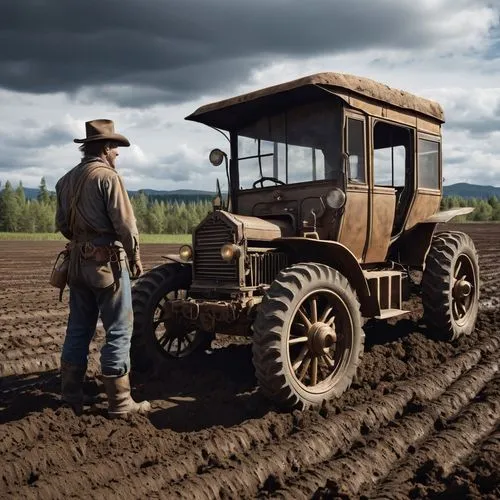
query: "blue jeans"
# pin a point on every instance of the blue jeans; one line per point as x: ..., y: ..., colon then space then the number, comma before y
x: 115, y: 308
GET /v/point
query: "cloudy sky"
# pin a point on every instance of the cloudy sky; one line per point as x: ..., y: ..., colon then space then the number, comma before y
x: 149, y: 63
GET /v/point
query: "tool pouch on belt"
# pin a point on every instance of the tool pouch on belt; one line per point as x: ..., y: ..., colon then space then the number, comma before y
x: 100, y: 266
x: 59, y: 275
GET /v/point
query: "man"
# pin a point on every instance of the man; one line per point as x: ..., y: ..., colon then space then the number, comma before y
x: 94, y: 212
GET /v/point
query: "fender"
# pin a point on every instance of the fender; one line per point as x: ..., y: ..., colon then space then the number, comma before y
x: 338, y: 257
x: 447, y: 215
x: 412, y: 247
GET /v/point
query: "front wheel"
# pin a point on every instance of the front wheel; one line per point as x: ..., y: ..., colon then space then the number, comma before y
x: 450, y: 286
x: 155, y: 338
x: 308, y: 340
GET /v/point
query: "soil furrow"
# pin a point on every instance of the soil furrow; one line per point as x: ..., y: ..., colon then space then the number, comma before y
x: 376, y: 455
x: 38, y: 363
x: 46, y: 314
x: 451, y: 444
x: 336, y: 434
x: 158, y: 476
x: 31, y: 346
x: 154, y: 466
x: 26, y: 334
x: 96, y: 451
x: 218, y: 446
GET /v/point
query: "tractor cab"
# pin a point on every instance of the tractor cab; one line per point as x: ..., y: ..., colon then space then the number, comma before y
x: 337, y: 157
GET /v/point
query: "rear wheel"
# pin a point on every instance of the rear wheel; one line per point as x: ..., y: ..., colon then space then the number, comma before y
x: 156, y: 338
x: 308, y: 340
x: 450, y: 286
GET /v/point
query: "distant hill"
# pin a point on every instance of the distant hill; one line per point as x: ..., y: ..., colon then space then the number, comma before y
x: 462, y: 189
x: 178, y: 194
x: 471, y: 190
x: 30, y: 193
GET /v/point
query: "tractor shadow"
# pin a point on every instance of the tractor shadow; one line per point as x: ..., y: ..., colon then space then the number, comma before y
x: 220, y: 388
x: 379, y: 332
x: 213, y: 388
x: 28, y: 393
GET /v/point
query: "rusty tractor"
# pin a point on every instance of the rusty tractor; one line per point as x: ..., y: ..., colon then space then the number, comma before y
x: 335, y: 183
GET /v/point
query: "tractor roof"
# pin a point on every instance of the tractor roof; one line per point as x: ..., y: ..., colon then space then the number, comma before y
x: 229, y: 113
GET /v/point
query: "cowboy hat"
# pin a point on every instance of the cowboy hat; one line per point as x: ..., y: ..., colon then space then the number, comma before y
x: 102, y: 130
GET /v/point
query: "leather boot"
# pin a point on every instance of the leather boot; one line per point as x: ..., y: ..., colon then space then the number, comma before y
x: 72, y: 385
x: 120, y: 403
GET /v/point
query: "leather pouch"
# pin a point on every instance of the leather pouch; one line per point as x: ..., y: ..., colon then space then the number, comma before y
x: 59, y: 275
x: 97, y: 274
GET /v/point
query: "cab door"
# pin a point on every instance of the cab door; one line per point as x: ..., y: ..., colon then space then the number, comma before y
x: 354, y: 228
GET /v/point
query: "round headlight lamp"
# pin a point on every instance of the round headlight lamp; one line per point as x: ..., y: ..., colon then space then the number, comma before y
x: 186, y: 253
x: 216, y: 156
x: 230, y: 252
x: 335, y: 198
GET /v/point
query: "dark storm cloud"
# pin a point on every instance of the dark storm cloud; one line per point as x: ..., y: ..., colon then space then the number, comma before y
x: 478, y: 126
x: 139, y: 52
x: 53, y: 135
x: 465, y: 114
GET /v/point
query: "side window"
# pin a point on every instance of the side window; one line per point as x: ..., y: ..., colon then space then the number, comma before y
x: 428, y: 164
x: 356, y: 149
x: 391, y: 154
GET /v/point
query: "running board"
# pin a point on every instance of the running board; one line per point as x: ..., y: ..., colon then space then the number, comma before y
x: 391, y: 313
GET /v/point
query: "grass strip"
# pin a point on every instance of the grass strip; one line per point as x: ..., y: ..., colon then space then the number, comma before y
x: 144, y: 238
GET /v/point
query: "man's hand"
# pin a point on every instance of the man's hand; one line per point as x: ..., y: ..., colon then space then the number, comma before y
x: 136, y: 268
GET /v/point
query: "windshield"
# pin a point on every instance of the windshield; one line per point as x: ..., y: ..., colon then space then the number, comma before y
x: 300, y: 145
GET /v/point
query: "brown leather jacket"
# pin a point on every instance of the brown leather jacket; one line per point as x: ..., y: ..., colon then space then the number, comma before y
x: 103, y: 208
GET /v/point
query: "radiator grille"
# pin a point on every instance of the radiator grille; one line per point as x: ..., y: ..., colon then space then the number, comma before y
x: 208, y: 263
x: 264, y: 267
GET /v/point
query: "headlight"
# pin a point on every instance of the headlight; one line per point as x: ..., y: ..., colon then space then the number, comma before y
x: 230, y: 252
x: 185, y: 252
x: 216, y: 156
x: 335, y: 198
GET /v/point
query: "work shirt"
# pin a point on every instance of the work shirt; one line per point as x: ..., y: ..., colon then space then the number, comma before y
x: 103, y: 207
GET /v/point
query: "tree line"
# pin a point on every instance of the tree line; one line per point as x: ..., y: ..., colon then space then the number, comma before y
x: 159, y: 215
x: 484, y: 209
x: 154, y: 215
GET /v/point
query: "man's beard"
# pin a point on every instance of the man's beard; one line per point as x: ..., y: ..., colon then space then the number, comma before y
x: 111, y: 161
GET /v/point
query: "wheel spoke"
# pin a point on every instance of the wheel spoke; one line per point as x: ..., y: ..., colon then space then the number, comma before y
x: 305, y: 366
x: 328, y: 360
x: 314, y: 310
x: 461, y: 308
x: 298, y: 340
x: 300, y: 357
x: 164, y: 339
x: 169, y: 345
x: 314, y: 371
x: 156, y: 323
x: 457, y: 270
x: 330, y: 321
x: 304, y: 317
x: 325, y: 314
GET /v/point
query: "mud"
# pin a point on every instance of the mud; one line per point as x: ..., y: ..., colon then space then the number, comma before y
x: 422, y: 419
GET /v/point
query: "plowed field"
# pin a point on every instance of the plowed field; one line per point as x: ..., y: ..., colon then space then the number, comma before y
x: 422, y: 419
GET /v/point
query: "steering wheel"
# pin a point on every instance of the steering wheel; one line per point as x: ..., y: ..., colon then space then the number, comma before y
x: 263, y: 179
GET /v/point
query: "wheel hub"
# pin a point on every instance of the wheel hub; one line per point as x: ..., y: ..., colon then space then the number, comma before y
x: 462, y: 289
x: 321, y: 337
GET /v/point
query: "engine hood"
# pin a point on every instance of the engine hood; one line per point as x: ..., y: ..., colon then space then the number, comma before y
x: 255, y: 228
